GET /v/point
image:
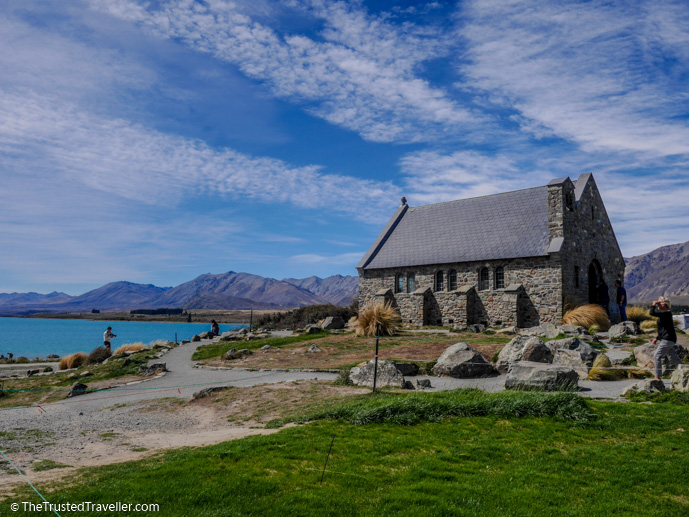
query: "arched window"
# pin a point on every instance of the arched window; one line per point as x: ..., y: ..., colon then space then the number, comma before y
x: 439, y: 284
x: 452, y: 280
x: 399, y: 284
x: 411, y: 283
x: 499, y: 278
x: 483, y: 280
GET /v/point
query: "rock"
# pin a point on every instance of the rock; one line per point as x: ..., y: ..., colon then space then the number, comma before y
x: 422, y: 371
x: 236, y: 354
x: 573, y: 359
x: 574, y: 330
x: 587, y: 352
x: 644, y: 359
x: 507, y: 330
x: 312, y: 329
x: 313, y: 349
x: 147, y: 371
x: 388, y: 375
x: 539, y: 376
x: 422, y: 384
x: 476, y: 328
x: 196, y: 338
x: 47, y: 369
x: 205, y: 335
x: 680, y: 378
x: 86, y: 374
x: 53, y: 357
x: 617, y: 356
x: 546, y: 330
x: 77, y: 389
x: 407, y: 368
x: 230, y: 336
x: 626, y: 328
x: 207, y: 391
x: 185, y: 341
x: 409, y: 385
x: 523, y: 348
x: 126, y: 362
x: 333, y: 323
x: 267, y: 348
x: 462, y: 362
x: 31, y: 373
x: 644, y: 386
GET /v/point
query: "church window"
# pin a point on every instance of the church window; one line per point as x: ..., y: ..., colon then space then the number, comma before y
x: 439, y: 284
x: 399, y: 284
x: 484, y: 280
x: 411, y: 283
x: 500, y: 278
x: 452, y: 280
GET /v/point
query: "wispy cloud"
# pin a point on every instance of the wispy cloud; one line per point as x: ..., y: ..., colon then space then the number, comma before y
x: 343, y: 259
x: 361, y: 72
x: 596, y: 74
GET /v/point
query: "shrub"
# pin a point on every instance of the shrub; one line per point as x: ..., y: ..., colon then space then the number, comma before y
x: 309, y: 315
x: 586, y: 316
x: 639, y: 373
x: 343, y: 377
x: 132, y: 347
x: 638, y: 314
x: 603, y: 370
x: 73, y: 361
x: 594, y: 329
x: 99, y: 355
x: 380, y: 317
x: 648, y: 325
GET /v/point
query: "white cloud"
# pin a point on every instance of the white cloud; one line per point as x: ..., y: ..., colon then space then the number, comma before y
x: 594, y: 73
x: 361, y: 73
x: 343, y: 259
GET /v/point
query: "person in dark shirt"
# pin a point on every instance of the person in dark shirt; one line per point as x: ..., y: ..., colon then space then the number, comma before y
x: 667, y: 337
x: 621, y: 300
x: 604, y: 297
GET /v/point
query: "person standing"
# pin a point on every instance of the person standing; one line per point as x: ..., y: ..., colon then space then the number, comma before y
x: 604, y: 296
x: 107, y: 336
x: 621, y: 300
x: 215, y: 328
x: 667, y: 337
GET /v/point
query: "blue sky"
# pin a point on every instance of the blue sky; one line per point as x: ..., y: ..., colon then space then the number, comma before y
x: 153, y: 141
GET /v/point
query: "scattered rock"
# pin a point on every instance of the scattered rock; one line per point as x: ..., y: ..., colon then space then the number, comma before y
x: 196, y: 338
x: 53, y: 357
x: 422, y: 371
x: 645, y: 386
x: 147, y: 371
x: 508, y: 330
x: 185, y: 341
x: 312, y: 329
x: 207, y: 391
x: 388, y: 375
x: 333, y: 323
x: 267, y: 348
x: 31, y: 373
x: 236, y: 354
x: 546, y: 330
x: 476, y: 328
x: 644, y: 359
x: 77, y: 389
x: 409, y: 385
x: 618, y: 357
x: 680, y: 378
x: 574, y: 330
x: 626, y: 328
x: 573, y: 359
x: 587, y: 352
x: 422, y: 384
x: 523, y: 348
x: 313, y: 349
x: 539, y: 376
x: 407, y: 368
x: 86, y: 374
x: 462, y: 362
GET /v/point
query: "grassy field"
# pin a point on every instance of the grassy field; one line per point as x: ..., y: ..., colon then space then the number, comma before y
x: 577, y: 458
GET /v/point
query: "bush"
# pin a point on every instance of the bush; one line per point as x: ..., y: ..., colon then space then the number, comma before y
x: 73, y: 361
x: 638, y: 314
x: 132, y: 347
x: 309, y: 315
x: 343, y: 377
x: 378, y: 319
x: 99, y: 355
x: 586, y: 316
x: 648, y: 325
x: 603, y: 370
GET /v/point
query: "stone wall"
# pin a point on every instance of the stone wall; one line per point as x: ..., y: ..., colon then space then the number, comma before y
x: 539, y: 300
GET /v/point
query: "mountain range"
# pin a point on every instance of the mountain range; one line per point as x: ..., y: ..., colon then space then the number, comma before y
x: 228, y: 291
x: 661, y: 272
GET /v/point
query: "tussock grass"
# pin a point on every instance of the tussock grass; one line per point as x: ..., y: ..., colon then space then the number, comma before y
x: 410, y: 409
x: 648, y: 325
x: 586, y: 316
x: 73, y: 361
x: 380, y: 317
x: 98, y: 355
x: 603, y: 371
x: 132, y: 347
x: 638, y: 313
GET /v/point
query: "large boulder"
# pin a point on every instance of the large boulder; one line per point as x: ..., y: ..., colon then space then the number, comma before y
x: 462, y: 362
x: 233, y: 353
x: 407, y: 369
x: 313, y: 349
x: 587, y: 352
x: 147, y: 371
x: 547, y: 330
x: 523, y: 348
x: 645, y: 386
x: 573, y: 359
x: 539, y: 376
x: 77, y: 389
x: 680, y: 378
x: 644, y: 358
x: 388, y: 375
x: 626, y: 328
x: 333, y: 323
x: 574, y: 330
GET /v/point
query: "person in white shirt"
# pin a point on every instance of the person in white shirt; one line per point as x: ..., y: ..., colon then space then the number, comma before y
x: 107, y: 336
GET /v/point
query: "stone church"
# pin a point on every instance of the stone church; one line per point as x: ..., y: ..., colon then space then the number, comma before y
x: 516, y: 258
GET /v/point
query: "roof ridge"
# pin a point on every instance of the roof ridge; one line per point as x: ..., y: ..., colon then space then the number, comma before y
x: 477, y: 197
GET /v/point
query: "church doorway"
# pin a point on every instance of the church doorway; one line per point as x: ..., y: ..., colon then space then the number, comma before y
x: 595, y: 276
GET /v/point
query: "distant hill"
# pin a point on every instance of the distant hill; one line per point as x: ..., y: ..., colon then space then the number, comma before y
x: 661, y: 272
x: 226, y: 291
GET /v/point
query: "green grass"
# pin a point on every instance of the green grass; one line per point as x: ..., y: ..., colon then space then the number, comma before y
x: 632, y: 461
x: 218, y: 349
x: 48, y: 465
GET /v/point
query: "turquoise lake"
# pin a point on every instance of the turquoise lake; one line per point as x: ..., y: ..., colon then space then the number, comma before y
x: 33, y: 337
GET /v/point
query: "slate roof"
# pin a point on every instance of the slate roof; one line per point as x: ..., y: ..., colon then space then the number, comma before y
x: 500, y: 226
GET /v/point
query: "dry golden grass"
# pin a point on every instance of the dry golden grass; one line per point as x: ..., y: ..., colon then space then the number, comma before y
x: 73, y: 361
x: 603, y: 371
x: 381, y: 317
x: 587, y: 316
x: 638, y: 313
x: 132, y: 347
x: 649, y: 325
